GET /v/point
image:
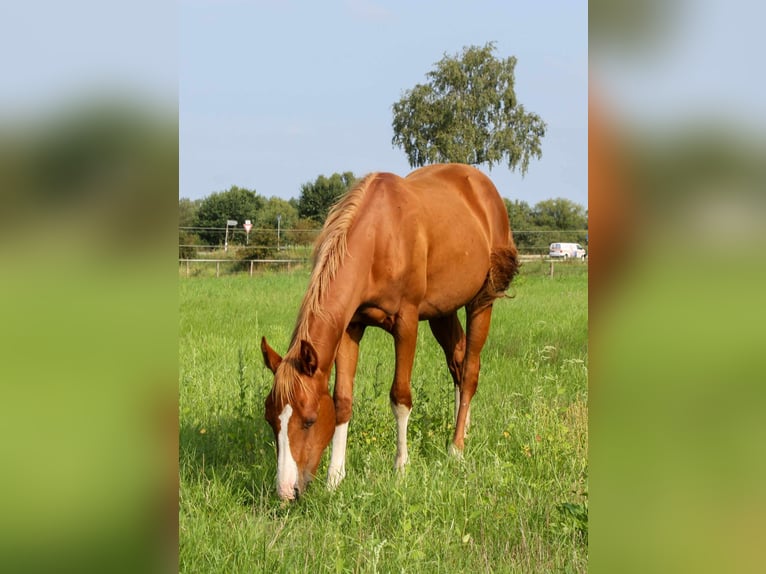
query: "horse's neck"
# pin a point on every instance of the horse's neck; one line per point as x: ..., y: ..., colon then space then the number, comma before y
x: 339, y: 303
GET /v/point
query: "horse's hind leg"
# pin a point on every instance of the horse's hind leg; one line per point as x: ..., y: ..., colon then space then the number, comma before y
x: 477, y: 327
x: 450, y: 335
x: 345, y: 369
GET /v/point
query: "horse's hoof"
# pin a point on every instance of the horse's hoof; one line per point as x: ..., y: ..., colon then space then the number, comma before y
x: 335, y: 478
x: 400, y: 464
x: 454, y: 451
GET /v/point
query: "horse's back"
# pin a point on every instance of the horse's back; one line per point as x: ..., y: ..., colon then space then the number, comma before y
x: 461, y: 198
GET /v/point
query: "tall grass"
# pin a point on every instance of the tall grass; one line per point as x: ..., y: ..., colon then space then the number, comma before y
x: 517, y: 501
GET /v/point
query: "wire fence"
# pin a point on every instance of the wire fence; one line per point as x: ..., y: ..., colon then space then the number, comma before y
x: 273, y: 243
x: 278, y: 250
x: 531, y: 265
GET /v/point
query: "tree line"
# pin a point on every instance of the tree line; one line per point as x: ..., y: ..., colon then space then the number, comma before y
x: 202, y: 222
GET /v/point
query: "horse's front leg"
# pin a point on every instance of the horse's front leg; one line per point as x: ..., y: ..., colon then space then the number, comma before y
x: 405, y: 332
x: 345, y: 369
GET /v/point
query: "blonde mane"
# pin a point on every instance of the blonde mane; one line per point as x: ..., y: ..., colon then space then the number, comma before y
x: 330, y: 250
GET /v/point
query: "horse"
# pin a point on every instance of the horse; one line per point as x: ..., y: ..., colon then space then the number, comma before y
x: 393, y: 251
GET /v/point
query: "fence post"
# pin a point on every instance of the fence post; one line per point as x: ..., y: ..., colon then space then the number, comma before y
x: 187, y: 268
x: 251, y: 268
x: 551, y: 262
x: 217, y: 268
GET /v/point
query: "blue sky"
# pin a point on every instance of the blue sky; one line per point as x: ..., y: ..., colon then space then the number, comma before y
x: 274, y: 93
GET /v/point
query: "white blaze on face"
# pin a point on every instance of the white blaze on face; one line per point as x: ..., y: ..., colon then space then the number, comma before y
x: 287, y: 469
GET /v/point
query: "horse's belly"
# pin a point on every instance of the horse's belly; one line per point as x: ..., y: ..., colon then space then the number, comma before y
x: 445, y: 294
x: 375, y: 316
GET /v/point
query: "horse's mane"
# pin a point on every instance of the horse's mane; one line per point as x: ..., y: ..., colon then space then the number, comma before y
x: 330, y: 250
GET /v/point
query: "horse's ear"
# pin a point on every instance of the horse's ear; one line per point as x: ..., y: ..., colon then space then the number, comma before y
x: 270, y: 356
x: 309, y: 359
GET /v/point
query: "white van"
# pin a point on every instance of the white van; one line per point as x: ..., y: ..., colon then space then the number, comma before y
x: 567, y: 251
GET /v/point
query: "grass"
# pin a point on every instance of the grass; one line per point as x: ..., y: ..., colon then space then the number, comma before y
x: 516, y: 502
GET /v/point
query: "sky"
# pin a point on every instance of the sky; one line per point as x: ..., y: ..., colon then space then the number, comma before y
x: 273, y: 93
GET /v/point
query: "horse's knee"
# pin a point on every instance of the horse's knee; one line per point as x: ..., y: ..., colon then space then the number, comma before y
x: 343, y: 408
x: 455, y: 362
x: 400, y: 397
x: 455, y: 367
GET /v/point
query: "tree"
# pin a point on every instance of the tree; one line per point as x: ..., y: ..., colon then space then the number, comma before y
x: 273, y: 208
x: 187, y: 211
x: 468, y: 113
x: 266, y: 225
x: 317, y: 198
x: 535, y: 228
x: 187, y: 217
x: 561, y: 214
x: 237, y: 203
x: 303, y: 232
x: 521, y: 218
x: 566, y: 217
x: 520, y: 214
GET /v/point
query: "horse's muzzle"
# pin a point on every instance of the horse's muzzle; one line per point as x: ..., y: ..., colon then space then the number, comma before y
x: 288, y: 492
x: 293, y: 491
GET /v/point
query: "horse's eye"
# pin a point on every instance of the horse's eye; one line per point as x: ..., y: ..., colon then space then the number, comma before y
x: 308, y: 423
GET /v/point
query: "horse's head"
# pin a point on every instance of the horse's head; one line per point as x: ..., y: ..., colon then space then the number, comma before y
x: 301, y: 414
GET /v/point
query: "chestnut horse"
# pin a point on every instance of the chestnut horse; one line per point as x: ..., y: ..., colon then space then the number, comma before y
x: 393, y: 251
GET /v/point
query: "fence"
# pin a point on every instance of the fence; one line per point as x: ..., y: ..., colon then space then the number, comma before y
x: 264, y: 243
x: 288, y: 248
x: 239, y: 266
x: 545, y: 265
x: 533, y: 263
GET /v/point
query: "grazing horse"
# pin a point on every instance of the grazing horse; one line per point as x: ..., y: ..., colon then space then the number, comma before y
x: 393, y: 251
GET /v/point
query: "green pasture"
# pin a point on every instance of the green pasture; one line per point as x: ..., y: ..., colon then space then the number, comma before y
x: 516, y: 502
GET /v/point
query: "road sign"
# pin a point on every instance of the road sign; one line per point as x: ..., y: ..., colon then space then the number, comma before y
x: 247, y: 225
x: 232, y: 222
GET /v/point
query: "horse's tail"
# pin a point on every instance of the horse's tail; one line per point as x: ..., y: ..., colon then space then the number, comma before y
x: 503, y: 266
